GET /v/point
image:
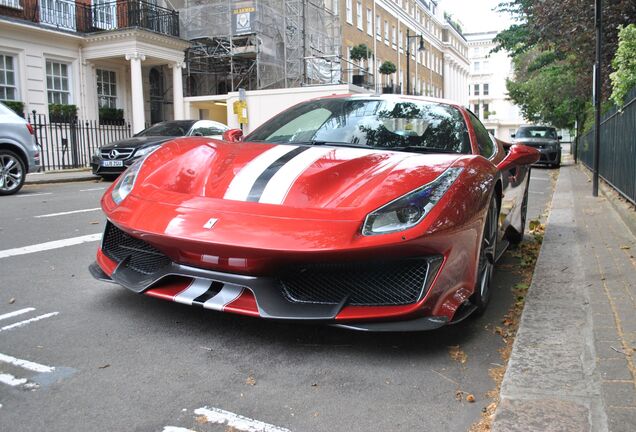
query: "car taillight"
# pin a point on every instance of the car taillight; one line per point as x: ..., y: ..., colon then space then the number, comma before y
x: 30, y: 128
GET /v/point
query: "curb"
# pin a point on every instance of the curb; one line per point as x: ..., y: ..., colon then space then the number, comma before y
x: 78, y: 178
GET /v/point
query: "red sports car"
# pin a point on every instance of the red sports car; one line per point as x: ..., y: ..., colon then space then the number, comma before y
x: 381, y: 213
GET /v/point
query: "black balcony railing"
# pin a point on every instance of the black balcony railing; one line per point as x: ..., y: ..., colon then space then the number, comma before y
x: 72, y: 16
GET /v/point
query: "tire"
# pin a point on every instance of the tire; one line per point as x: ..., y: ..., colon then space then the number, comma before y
x: 486, y: 260
x: 515, y: 237
x: 12, y: 172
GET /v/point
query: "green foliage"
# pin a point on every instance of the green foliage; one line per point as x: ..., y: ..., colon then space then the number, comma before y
x: 16, y: 106
x: 111, y: 115
x: 453, y: 22
x: 60, y: 113
x: 388, y: 68
x: 546, y: 89
x: 360, y: 52
x: 624, y: 63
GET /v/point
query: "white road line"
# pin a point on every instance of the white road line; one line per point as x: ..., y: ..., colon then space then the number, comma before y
x: 92, y: 189
x: 29, y: 321
x: 56, y: 244
x: 68, y: 212
x: 537, y: 193
x: 238, y: 422
x: 35, y: 194
x: 16, y: 313
x: 11, y: 380
x: 26, y: 364
x: 539, y: 179
x: 176, y: 429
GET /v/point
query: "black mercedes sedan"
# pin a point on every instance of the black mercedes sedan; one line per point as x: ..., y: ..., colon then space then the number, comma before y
x: 543, y: 138
x: 113, y: 159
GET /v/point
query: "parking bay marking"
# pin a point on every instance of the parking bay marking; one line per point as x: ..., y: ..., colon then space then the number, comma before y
x: 29, y: 321
x: 230, y: 419
x: 26, y: 364
x: 35, y: 194
x: 16, y: 313
x: 67, y: 213
x: 56, y: 244
x: 92, y: 189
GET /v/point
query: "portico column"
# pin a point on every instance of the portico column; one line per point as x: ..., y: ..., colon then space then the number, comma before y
x: 137, y: 91
x: 446, y: 77
x: 177, y: 90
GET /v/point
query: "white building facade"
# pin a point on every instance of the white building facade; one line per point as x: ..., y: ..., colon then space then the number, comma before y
x: 488, y: 96
x: 456, y: 65
x: 92, y: 56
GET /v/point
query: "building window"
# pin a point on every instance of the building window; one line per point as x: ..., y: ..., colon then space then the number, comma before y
x: 350, y: 11
x: 486, y: 90
x: 476, y: 89
x: 11, y: 3
x: 57, y: 82
x: 394, y: 37
x: 359, y: 15
x: 401, y: 37
x: 335, y: 6
x: 476, y: 109
x: 486, y: 112
x: 386, y: 32
x: 106, y: 89
x: 477, y: 66
x: 8, y: 88
x: 369, y: 22
x: 485, y: 66
x: 378, y: 27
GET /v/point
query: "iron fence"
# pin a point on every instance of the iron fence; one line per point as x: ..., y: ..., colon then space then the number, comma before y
x: 70, y: 143
x: 617, y: 162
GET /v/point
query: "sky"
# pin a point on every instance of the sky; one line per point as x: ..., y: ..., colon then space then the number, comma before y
x: 477, y: 15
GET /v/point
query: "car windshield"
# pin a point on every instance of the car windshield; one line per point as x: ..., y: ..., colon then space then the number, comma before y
x: 377, y: 123
x: 172, y: 128
x: 537, y: 132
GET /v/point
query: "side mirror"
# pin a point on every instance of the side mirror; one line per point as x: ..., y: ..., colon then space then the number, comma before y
x: 233, y: 135
x: 519, y: 155
x: 559, y: 137
x: 512, y: 135
x: 197, y: 134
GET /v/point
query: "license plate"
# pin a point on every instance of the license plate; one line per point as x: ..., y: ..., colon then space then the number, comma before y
x: 112, y: 163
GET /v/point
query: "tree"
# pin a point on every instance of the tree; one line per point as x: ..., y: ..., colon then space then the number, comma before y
x: 360, y: 52
x: 388, y: 68
x: 624, y: 64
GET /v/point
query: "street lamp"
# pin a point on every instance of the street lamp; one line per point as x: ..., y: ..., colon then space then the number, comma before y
x: 408, y: 57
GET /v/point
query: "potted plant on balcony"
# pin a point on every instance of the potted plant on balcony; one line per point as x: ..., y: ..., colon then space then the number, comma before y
x: 62, y: 113
x: 16, y: 106
x: 359, y: 52
x: 111, y: 116
x: 388, y: 68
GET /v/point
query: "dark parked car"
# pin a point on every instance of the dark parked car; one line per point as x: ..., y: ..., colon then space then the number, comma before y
x: 19, y: 154
x: 543, y: 138
x: 113, y: 159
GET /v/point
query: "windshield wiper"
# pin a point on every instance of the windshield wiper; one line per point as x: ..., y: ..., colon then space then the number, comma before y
x: 418, y: 149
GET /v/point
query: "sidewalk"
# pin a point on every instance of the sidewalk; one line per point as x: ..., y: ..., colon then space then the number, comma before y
x: 63, y: 176
x: 573, y: 362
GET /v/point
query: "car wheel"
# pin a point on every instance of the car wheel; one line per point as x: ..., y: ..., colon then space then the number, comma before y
x: 515, y: 237
x: 12, y: 172
x: 486, y: 261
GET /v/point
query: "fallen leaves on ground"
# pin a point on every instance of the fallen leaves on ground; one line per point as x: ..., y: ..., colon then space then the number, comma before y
x: 527, y: 253
x: 201, y: 419
x: 250, y: 380
x: 457, y: 354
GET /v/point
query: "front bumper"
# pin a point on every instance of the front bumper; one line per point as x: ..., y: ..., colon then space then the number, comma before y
x: 262, y: 296
x: 549, y: 156
x: 98, y: 168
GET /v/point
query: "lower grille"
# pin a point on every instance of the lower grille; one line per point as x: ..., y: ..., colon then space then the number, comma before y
x: 364, y: 284
x: 117, y: 245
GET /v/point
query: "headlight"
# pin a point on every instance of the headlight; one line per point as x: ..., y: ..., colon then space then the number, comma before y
x: 126, y: 182
x: 409, y: 210
x: 146, y: 150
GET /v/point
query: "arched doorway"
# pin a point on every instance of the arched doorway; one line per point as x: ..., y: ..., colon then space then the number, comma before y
x: 157, y: 95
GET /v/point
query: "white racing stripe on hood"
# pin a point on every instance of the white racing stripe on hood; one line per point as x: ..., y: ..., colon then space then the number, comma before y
x: 279, y: 185
x: 241, y: 185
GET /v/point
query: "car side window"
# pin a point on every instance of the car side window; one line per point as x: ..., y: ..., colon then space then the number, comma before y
x: 206, y: 131
x: 485, y: 144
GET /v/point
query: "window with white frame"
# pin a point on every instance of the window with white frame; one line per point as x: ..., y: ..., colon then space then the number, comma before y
x: 359, y: 15
x: 11, y: 3
x: 400, y: 38
x: 476, y: 89
x: 369, y: 22
x: 8, y: 87
x: 378, y: 26
x: 106, y: 88
x: 477, y: 66
x: 58, y: 82
x: 386, y: 32
x: 335, y: 5
x: 394, y: 37
x: 486, y: 89
x: 350, y: 11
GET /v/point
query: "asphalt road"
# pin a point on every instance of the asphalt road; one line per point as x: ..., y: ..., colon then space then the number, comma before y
x: 78, y: 355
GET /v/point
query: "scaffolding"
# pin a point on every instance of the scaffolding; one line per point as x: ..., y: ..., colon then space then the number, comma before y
x: 259, y: 44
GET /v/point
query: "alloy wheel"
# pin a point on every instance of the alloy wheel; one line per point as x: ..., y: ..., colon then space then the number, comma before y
x: 11, y: 173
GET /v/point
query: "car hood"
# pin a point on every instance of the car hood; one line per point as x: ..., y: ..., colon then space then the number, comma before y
x: 264, y: 178
x: 137, y: 142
